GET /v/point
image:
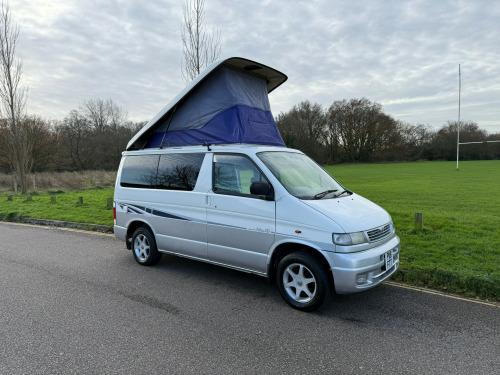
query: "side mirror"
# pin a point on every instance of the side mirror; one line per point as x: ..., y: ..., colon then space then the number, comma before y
x: 261, y: 188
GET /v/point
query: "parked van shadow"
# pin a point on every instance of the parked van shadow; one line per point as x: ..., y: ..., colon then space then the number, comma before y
x: 356, y: 309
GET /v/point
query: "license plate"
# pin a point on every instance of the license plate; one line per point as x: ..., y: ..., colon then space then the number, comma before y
x: 388, y: 260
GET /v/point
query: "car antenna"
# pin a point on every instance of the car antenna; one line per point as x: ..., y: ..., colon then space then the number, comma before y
x: 207, y: 145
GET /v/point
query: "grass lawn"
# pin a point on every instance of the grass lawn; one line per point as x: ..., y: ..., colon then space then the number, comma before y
x: 66, y: 208
x: 459, y: 249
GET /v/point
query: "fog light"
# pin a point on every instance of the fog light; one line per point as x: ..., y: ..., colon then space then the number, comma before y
x: 361, y: 278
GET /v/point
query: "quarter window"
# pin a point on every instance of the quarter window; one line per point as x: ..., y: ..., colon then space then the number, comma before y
x: 139, y: 171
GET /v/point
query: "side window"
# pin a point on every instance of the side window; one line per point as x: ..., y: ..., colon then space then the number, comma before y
x: 139, y: 171
x: 233, y: 174
x: 179, y: 171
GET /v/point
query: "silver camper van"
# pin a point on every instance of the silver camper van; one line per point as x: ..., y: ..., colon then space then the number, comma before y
x: 209, y: 178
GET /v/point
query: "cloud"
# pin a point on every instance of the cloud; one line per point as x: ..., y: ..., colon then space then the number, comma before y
x: 404, y: 55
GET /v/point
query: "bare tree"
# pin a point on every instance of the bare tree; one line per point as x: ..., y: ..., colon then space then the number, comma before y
x: 361, y: 126
x: 44, y: 143
x: 13, y: 99
x: 103, y: 113
x: 76, y: 141
x: 199, y: 47
x: 303, y: 128
x: 107, y: 120
x: 96, y: 112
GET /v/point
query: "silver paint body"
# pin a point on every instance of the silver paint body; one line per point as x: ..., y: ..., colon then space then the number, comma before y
x: 243, y: 233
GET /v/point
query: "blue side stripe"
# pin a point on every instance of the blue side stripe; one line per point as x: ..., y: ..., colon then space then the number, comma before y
x: 140, y: 210
x: 167, y: 215
x: 224, y: 225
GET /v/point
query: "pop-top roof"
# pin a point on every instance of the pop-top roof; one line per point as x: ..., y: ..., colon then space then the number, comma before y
x: 227, y: 103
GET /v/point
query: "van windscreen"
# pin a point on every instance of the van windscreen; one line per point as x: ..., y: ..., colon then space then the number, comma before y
x: 300, y: 175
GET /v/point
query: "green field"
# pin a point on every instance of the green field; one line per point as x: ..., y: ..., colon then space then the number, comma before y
x: 67, y: 208
x: 458, y: 251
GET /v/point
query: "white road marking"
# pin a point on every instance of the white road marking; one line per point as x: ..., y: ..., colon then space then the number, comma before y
x: 59, y: 228
x: 442, y: 294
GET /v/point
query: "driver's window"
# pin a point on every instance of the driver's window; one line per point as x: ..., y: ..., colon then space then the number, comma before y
x: 233, y: 174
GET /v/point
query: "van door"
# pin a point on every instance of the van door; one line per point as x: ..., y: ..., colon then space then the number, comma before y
x: 240, y: 226
x: 178, y: 212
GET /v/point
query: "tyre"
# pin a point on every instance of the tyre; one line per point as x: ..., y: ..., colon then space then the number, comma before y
x: 144, y: 247
x: 302, y: 281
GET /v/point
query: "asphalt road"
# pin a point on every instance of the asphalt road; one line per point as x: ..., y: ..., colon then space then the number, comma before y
x: 74, y: 302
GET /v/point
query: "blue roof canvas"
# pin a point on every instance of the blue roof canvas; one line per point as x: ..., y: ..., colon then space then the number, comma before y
x: 227, y: 103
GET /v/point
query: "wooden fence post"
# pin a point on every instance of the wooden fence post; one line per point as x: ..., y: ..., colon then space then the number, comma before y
x: 52, y: 199
x: 419, y: 222
x: 109, y: 203
x: 80, y: 200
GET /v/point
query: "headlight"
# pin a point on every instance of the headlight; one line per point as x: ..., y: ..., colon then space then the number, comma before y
x: 347, y: 239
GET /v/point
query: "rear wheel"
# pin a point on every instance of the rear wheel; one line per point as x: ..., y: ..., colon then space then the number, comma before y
x: 302, y: 281
x: 144, y: 247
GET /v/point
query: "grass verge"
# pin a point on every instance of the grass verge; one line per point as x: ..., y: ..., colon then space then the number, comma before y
x: 94, y: 209
x: 459, y: 248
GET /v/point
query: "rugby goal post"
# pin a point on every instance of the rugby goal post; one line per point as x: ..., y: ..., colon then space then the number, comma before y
x: 458, y: 123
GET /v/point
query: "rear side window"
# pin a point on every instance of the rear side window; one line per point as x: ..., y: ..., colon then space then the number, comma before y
x: 178, y: 171
x: 139, y: 171
x: 172, y: 171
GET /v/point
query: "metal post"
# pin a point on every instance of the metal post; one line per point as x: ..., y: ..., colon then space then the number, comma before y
x: 458, y: 124
x: 419, y: 222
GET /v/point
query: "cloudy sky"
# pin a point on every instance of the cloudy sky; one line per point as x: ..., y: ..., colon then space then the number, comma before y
x: 401, y: 54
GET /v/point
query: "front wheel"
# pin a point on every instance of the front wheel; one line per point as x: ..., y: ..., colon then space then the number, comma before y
x: 144, y: 247
x: 302, y: 281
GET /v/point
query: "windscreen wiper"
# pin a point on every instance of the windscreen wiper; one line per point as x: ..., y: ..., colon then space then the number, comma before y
x: 342, y: 192
x: 323, y: 193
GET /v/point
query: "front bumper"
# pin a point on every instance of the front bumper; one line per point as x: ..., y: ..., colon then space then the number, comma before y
x: 355, y: 272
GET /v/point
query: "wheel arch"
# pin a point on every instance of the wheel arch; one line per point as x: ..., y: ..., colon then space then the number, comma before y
x: 283, y: 249
x: 132, y: 227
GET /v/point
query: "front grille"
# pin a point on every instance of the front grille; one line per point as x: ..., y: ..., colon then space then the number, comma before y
x: 380, y: 233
